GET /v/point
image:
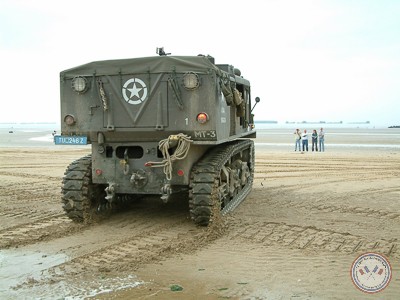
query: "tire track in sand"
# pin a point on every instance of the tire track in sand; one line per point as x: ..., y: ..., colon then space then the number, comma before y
x: 310, y: 237
x: 150, y: 240
x: 327, y: 205
x: 45, y: 228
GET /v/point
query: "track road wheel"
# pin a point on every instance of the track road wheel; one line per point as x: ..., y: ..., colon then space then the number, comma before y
x: 80, y: 197
x: 221, y: 180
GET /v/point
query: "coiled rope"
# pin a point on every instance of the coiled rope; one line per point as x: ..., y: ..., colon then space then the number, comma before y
x: 182, y: 143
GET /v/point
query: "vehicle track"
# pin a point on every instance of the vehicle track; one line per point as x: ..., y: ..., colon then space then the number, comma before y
x: 310, y: 237
x: 31, y: 215
x: 45, y: 228
x: 29, y: 176
x: 145, y: 240
x: 149, y: 243
x: 328, y: 205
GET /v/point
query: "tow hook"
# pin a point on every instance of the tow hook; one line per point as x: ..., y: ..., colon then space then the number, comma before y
x: 110, y: 191
x: 166, y: 192
x: 110, y: 197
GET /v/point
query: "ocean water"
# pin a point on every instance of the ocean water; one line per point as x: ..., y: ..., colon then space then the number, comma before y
x: 359, y: 136
x: 28, y: 134
x: 30, y: 126
x: 317, y: 126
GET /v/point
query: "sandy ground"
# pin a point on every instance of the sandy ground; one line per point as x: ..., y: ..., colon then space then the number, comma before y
x: 308, y: 217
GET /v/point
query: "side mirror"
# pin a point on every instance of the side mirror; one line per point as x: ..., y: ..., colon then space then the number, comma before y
x: 257, y: 100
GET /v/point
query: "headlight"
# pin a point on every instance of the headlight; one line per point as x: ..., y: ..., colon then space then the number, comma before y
x: 191, y: 81
x: 79, y: 84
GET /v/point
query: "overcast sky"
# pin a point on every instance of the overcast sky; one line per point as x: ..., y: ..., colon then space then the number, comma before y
x: 333, y: 60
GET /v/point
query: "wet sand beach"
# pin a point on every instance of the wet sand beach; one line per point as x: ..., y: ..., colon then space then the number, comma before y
x: 307, y: 219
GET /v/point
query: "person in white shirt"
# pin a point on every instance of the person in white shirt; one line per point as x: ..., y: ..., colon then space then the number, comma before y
x: 304, y: 138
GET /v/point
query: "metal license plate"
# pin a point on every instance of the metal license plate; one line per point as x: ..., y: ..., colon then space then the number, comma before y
x: 70, y: 140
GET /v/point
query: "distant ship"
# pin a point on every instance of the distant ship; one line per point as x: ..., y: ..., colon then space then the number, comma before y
x: 394, y: 126
x: 306, y: 122
x: 325, y: 122
x: 320, y: 122
x: 267, y: 122
x: 366, y: 122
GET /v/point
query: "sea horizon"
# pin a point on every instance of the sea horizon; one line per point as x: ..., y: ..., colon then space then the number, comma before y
x: 276, y: 135
x: 259, y: 124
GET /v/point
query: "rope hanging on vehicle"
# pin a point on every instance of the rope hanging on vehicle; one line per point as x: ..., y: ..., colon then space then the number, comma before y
x: 103, y: 96
x: 182, y: 144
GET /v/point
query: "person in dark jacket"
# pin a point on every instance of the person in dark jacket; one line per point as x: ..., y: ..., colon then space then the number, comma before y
x: 314, y: 140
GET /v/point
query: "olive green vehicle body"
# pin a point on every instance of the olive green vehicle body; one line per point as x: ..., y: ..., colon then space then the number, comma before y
x: 126, y: 107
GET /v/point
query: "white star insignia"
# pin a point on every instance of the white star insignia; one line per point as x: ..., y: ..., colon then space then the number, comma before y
x: 134, y: 91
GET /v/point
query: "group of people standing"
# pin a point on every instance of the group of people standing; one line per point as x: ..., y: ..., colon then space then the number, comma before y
x: 316, y: 138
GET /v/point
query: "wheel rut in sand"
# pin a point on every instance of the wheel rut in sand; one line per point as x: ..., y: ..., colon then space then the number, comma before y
x: 149, y: 242
x: 30, y: 176
x: 45, y: 228
x: 329, y: 204
x: 309, y: 237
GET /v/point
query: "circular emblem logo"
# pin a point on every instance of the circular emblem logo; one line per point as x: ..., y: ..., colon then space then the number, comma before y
x: 371, y: 272
x: 134, y: 91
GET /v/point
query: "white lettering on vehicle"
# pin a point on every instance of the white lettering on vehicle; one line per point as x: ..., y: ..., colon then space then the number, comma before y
x: 203, y: 134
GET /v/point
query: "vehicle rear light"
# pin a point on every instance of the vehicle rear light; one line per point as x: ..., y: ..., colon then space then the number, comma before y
x: 69, y: 120
x: 99, y: 172
x: 202, y: 118
x: 180, y: 172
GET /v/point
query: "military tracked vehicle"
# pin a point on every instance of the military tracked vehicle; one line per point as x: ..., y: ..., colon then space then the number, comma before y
x: 157, y: 126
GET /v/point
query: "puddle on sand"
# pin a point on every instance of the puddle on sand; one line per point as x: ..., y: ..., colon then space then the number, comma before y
x: 18, y: 267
